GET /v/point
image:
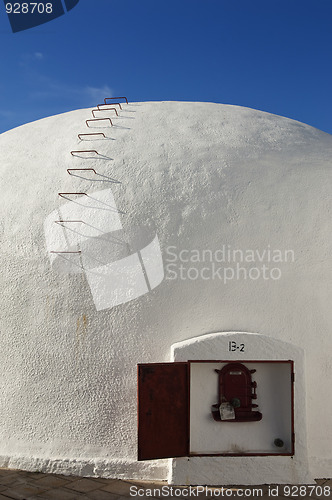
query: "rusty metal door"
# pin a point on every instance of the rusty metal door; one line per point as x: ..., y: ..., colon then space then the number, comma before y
x: 163, y: 410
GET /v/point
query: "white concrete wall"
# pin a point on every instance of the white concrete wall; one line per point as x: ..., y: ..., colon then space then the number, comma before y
x: 253, y: 469
x: 199, y: 176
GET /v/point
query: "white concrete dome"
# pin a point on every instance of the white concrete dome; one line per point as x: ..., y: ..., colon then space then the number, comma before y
x: 202, y: 177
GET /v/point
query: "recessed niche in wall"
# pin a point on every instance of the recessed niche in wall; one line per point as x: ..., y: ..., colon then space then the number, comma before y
x: 272, y: 386
x: 203, y: 408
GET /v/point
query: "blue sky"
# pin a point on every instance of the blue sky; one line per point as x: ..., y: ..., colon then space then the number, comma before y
x: 272, y: 55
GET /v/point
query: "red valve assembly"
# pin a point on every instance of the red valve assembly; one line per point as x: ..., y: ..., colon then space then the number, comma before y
x: 236, y: 392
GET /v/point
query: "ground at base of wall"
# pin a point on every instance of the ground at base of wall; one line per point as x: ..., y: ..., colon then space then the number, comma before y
x: 22, y: 485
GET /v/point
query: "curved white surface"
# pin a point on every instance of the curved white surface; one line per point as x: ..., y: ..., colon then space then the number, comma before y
x: 197, y: 176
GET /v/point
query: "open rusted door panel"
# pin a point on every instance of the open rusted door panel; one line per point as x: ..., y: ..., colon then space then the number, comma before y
x: 163, y: 410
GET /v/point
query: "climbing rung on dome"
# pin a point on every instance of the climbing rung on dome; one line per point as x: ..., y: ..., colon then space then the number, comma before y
x: 115, y: 98
x: 55, y: 251
x: 93, y: 110
x: 114, y: 104
x: 85, y: 151
x: 95, y: 133
x: 81, y: 169
x: 66, y: 221
x: 106, y: 109
x: 98, y: 120
x: 61, y: 194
